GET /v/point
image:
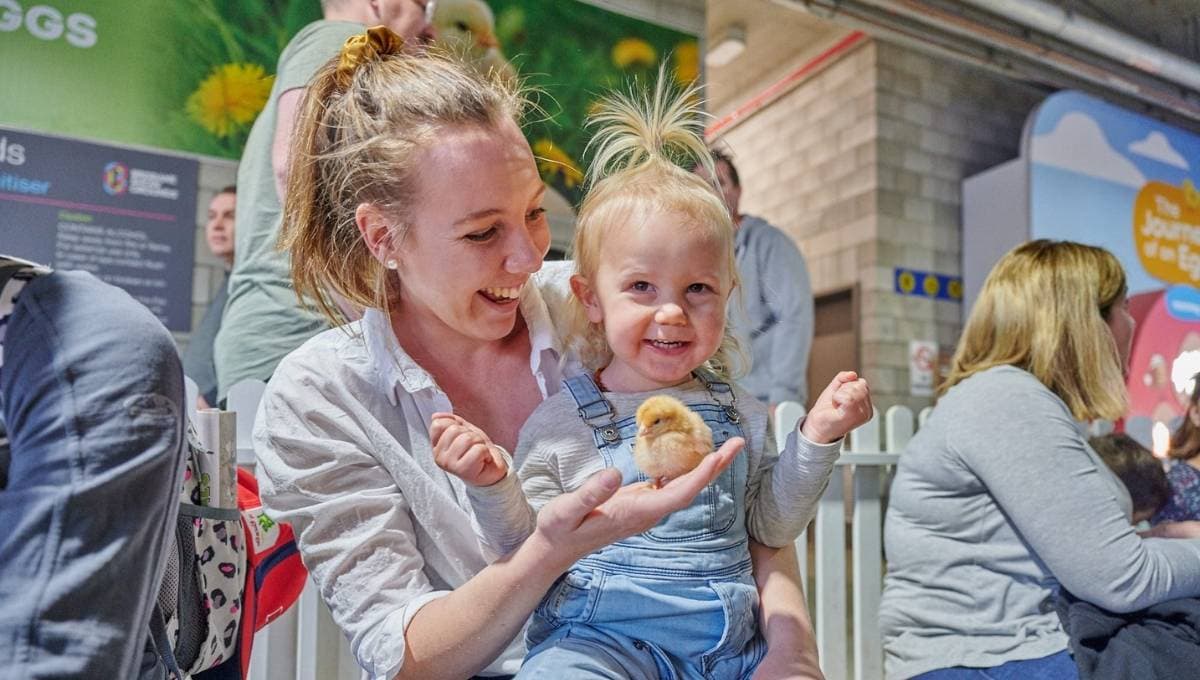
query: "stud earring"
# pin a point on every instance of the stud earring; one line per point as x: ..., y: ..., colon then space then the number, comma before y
x: 390, y: 264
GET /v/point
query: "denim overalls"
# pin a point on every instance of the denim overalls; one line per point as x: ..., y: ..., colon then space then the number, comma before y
x: 677, y: 601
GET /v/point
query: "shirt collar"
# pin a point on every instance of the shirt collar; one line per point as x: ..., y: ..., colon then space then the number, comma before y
x: 397, y: 371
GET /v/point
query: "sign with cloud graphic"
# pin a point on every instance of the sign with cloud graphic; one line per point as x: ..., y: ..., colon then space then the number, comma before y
x: 1100, y: 174
x: 1109, y: 177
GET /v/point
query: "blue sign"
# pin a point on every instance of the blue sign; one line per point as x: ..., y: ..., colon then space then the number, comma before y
x: 129, y: 217
x: 927, y: 284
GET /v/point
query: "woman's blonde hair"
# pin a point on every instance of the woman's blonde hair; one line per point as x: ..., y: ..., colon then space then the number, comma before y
x: 364, y: 119
x: 642, y: 145
x: 1043, y: 309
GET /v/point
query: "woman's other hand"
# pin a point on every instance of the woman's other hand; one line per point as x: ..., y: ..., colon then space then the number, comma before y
x: 1186, y: 529
x: 602, y: 511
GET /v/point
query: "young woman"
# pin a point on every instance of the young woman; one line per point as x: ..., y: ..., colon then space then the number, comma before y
x: 414, y: 195
x: 998, y: 500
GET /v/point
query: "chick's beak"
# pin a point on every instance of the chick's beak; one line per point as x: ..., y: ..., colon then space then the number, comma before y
x: 487, y: 41
x: 643, y: 431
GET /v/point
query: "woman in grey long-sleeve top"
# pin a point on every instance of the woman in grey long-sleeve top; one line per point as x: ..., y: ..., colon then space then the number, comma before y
x: 998, y: 500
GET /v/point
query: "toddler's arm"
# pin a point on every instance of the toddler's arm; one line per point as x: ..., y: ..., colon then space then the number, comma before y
x: 503, y: 518
x: 783, y: 494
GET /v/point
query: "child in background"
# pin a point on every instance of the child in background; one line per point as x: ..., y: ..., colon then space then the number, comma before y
x: 655, y: 268
x: 1138, y: 469
x: 1184, y: 475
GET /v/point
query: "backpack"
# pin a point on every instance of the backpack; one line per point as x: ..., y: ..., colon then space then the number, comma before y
x: 201, y: 593
x: 232, y: 571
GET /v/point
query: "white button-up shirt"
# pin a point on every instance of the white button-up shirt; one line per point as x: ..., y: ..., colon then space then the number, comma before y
x: 342, y: 438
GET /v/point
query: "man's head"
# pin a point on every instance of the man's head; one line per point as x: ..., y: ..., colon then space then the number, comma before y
x: 218, y: 228
x: 409, y: 19
x: 727, y: 180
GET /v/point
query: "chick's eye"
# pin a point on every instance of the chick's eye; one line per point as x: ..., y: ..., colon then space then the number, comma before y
x: 462, y: 26
x: 656, y: 421
x: 481, y: 236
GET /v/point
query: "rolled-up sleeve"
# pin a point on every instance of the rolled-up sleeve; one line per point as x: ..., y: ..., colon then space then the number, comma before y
x: 352, y: 523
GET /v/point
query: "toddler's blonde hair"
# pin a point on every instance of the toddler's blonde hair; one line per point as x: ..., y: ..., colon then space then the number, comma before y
x: 642, y: 146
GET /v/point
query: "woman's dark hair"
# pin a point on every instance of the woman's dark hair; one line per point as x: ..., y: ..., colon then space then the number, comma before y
x: 1185, y: 443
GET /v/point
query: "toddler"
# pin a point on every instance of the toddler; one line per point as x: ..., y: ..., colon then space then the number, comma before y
x: 654, y: 272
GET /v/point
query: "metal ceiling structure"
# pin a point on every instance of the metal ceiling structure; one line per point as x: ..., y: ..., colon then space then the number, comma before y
x: 1146, y: 59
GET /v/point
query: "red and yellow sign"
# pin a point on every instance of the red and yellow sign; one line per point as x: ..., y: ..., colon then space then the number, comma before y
x: 1166, y: 231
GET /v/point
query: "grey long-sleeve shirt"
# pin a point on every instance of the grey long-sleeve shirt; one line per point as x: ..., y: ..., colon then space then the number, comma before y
x: 997, y: 500
x: 556, y: 453
x: 772, y: 312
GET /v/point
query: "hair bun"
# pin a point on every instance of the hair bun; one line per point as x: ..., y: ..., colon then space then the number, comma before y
x: 377, y: 41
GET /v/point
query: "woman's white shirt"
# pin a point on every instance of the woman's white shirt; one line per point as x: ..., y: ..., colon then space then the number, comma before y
x: 342, y: 439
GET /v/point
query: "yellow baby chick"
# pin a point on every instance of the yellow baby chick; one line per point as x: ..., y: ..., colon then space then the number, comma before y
x: 469, y: 27
x: 672, y: 439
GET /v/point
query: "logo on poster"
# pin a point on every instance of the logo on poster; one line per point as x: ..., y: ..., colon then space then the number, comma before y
x: 121, y: 179
x: 116, y: 178
x: 47, y: 23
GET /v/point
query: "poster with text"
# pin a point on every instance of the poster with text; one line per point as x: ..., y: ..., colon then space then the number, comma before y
x: 1105, y: 176
x: 126, y: 216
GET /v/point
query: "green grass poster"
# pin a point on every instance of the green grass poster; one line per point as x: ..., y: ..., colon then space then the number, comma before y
x: 191, y: 75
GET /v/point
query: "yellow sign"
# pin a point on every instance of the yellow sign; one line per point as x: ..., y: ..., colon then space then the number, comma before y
x: 1166, y: 231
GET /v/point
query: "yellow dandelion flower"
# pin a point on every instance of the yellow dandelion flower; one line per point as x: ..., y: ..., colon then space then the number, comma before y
x: 633, y: 52
x: 687, y: 62
x: 554, y: 162
x: 230, y: 98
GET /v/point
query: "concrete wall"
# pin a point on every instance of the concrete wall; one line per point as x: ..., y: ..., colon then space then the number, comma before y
x: 862, y: 163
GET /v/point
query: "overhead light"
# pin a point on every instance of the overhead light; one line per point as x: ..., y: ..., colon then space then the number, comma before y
x: 727, y: 44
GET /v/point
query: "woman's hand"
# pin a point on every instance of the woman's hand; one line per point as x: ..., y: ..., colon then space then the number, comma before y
x: 465, y: 451
x: 1186, y: 529
x: 601, y: 511
x: 843, y: 405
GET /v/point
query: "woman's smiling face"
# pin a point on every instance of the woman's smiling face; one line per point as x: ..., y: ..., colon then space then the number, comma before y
x: 476, y: 234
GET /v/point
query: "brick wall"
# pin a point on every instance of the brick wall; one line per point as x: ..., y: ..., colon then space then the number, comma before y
x: 862, y: 165
x: 938, y: 122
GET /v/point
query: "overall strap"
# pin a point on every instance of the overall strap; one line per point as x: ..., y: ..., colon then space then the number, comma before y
x: 595, y: 411
x: 592, y: 404
x: 721, y: 392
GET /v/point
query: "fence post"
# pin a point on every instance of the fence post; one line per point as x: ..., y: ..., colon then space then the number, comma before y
x: 867, y: 563
x: 243, y: 400
x: 787, y: 414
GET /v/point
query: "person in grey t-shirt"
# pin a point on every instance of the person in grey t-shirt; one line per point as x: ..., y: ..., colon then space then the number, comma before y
x: 998, y: 501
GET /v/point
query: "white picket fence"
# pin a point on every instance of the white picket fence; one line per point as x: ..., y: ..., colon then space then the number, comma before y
x: 305, y: 644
